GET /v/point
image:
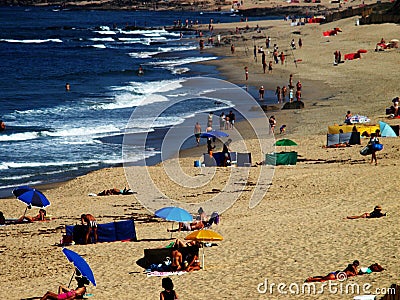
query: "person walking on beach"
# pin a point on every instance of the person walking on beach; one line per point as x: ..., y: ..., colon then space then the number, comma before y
x: 298, y: 90
x: 246, y: 73
x: 168, y: 293
x: 255, y: 53
x: 210, y: 147
x: 232, y: 49
x: 291, y: 95
x: 210, y: 119
x: 300, y: 43
x: 232, y: 118
x: 263, y: 62
x: 291, y: 86
x: 278, y: 94
x: 268, y: 42
x: 373, y: 140
x: 284, y: 93
x: 222, y: 121
x: 272, y: 124
x: 261, y: 92
x: 270, y: 67
x: 282, y: 58
x: 275, y: 55
x: 91, y: 226
x: 197, y: 132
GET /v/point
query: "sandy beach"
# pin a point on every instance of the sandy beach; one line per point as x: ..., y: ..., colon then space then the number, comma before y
x: 298, y: 230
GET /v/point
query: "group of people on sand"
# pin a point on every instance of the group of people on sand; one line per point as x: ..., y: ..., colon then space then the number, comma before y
x: 353, y: 268
x: 188, y: 263
x: 87, y: 220
x: 63, y: 292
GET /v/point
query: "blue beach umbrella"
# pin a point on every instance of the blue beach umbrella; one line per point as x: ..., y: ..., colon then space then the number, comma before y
x: 21, y: 189
x: 214, y: 133
x: 172, y: 213
x: 80, y: 264
x: 31, y: 197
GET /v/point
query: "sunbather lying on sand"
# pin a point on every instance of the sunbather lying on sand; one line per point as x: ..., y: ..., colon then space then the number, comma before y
x: 351, y: 270
x: 115, y: 191
x: 40, y: 217
x: 376, y: 213
x: 68, y: 294
x: 198, y: 224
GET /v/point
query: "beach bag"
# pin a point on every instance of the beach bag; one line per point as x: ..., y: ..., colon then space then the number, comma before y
x: 365, y: 151
x: 377, y: 147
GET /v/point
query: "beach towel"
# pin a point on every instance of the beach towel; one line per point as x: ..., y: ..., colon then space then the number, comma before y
x: 357, y: 119
x: 158, y: 273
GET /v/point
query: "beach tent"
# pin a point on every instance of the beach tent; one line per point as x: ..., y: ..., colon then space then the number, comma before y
x: 352, y: 138
x: 361, y: 128
x: 241, y: 159
x: 281, y: 158
x: 386, y: 130
x: 108, y: 232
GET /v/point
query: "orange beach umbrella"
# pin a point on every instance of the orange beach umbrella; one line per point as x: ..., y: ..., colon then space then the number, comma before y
x: 204, y: 235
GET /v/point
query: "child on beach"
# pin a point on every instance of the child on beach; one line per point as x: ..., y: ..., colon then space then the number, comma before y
x: 261, y: 92
x: 282, y: 129
x: 246, y: 73
x: 168, y: 293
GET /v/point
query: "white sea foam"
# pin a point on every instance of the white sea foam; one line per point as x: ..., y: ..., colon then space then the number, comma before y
x: 100, y: 46
x: 136, y: 93
x: 161, y: 50
x: 178, y: 62
x: 144, y: 41
x: 179, y: 70
x: 24, y: 136
x: 83, y: 131
x: 31, y: 41
x: 107, y: 39
x: 106, y: 32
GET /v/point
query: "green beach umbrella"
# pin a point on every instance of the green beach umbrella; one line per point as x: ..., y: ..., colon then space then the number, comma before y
x: 285, y: 142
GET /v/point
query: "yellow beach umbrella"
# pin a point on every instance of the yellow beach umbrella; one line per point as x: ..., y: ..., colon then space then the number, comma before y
x: 204, y: 235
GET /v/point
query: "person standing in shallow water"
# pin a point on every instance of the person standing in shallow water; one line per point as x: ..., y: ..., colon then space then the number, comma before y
x: 278, y: 94
x: 197, y: 132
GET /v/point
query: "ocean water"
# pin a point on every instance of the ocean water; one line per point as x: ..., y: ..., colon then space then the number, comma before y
x: 54, y: 135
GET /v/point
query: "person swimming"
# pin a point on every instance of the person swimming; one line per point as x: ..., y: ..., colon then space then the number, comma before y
x: 2, y: 125
x: 140, y: 71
